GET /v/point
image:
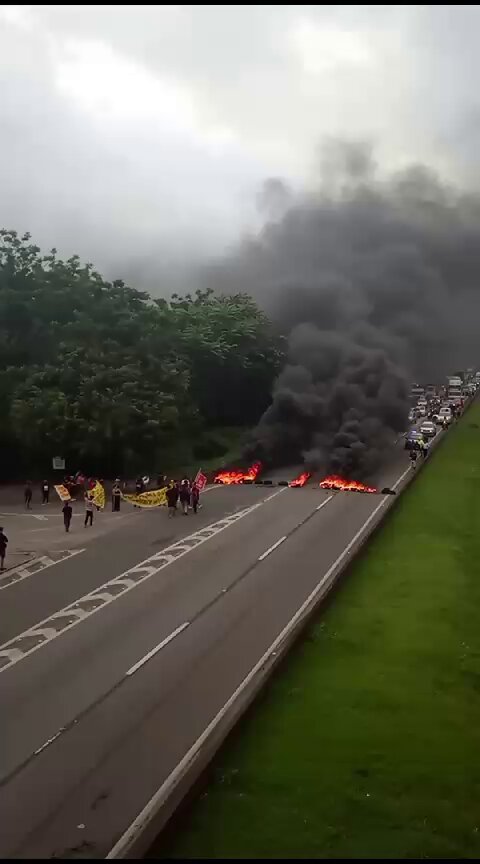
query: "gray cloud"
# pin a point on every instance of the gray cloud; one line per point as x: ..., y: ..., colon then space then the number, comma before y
x: 138, y: 136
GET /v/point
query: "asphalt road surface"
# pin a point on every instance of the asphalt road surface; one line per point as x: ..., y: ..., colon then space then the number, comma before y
x: 114, y: 659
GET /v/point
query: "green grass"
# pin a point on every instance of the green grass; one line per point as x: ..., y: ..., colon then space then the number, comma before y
x: 367, y: 742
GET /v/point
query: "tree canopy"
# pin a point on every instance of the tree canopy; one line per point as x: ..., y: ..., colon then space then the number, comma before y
x: 112, y: 379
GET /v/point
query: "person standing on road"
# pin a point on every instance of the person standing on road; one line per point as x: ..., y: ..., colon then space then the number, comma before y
x: 172, y: 498
x: 185, y: 496
x: 88, y: 510
x: 413, y: 457
x: 3, y: 549
x: 28, y: 495
x: 67, y: 515
x: 45, y: 492
x: 195, y: 496
x: 116, y: 496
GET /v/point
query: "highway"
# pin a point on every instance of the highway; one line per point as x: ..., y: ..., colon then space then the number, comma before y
x: 115, y: 659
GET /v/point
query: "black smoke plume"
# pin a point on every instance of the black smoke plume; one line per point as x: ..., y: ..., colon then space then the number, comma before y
x: 376, y: 283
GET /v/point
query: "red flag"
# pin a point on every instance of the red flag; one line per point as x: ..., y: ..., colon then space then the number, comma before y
x: 200, y: 480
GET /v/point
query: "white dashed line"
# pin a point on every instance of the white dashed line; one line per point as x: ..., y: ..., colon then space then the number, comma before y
x: 158, y: 648
x: 50, y: 741
x: 271, y: 548
x: 55, y: 625
x: 324, y: 502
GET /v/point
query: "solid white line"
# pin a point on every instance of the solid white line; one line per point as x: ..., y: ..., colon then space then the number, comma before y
x: 271, y: 548
x: 175, y: 776
x: 159, y: 647
x: 324, y: 502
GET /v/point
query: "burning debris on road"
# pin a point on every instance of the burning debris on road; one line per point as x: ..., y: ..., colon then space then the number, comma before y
x: 342, y: 485
x: 300, y: 480
x: 236, y: 476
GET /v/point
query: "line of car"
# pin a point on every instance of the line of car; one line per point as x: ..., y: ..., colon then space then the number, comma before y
x: 433, y: 410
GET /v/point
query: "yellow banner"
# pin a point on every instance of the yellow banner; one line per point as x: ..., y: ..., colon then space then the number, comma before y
x: 98, y: 495
x: 156, y: 498
x: 63, y: 493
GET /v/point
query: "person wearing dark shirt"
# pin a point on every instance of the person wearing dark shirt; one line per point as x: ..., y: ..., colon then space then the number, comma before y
x: 67, y: 515
x: 185, y: 496
x: 45, y: 491
x: 28, y: 495
x: 116, y: 496
x: 172, y: 498
x: 3, y: 549
x: 195, y: 496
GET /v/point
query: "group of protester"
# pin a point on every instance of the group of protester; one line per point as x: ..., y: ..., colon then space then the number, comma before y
x: 187, y: 492
x: 423, y: 448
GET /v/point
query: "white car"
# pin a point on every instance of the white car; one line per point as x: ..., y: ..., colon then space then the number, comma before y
x: 445, y: 415
x: 428, y: 429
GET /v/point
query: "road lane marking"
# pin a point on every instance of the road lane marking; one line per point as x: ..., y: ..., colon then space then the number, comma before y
x: 36, y: 637
x: 158, y: 648
x: 160, y: 796
x: 271, y: 548
x: 50, y: 741
x: 324, y: 502
x: 32, y: 516
x: 36, y: 565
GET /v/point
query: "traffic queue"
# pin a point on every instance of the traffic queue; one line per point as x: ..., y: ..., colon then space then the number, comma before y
x: 435, y: 408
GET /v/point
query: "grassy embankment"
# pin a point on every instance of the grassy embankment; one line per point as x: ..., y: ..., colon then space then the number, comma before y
x: 367, y: 741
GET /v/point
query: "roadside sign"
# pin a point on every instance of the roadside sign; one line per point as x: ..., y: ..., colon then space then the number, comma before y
x: 58, y: 463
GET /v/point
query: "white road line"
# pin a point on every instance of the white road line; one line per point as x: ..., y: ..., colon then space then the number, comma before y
x: 271, y: 548
x: 324, y: 502
x: 50, y: 741
x: 32, y: 516
x: 100, y: 597
x: 160, y: 796
x: 158, y: 648
x: 23, y: 571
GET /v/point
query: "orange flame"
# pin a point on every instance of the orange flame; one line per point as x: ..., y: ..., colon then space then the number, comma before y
x: 301, y: 479
x: 339, y: 483
x: 229, y: 477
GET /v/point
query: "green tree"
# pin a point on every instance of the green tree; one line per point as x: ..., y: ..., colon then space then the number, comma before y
x: 99, y: 372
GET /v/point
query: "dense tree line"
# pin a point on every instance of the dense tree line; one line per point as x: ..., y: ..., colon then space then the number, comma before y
x: 113, y: 379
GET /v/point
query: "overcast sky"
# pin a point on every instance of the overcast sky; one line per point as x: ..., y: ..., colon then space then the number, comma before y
x: 138, y: 136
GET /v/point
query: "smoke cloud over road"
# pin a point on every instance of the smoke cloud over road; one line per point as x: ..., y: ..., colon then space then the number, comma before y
x: 376, y: 283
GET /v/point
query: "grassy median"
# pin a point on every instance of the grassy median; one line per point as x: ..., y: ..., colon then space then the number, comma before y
x: 367, y: 742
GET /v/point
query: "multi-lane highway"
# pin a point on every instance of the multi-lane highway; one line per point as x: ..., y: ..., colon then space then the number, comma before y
x: 115, y: 660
